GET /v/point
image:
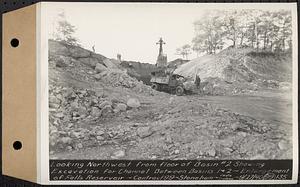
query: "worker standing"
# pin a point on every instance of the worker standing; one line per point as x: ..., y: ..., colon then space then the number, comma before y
x: 197, y: 81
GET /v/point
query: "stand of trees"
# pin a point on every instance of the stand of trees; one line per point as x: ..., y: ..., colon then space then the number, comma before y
x: 267, y: 30
x: 64, y: 31
x: 184, y: 51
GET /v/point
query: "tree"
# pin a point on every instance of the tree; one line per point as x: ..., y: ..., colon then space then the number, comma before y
x: 184, y: 51
x: 209, y: 34
x: 231, y: 26
x: 65, y: 31
x: 198, y: 48
x: 285, y: 28
x: 267, y: 30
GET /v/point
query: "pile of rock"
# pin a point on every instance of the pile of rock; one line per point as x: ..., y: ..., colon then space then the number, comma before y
x: 70, y: 107
x: 84, y: 65
x: 115, y: 77
x: 106, y: 70
x: 217, y: 86
x: 120, y: 78
x: 270, y: 83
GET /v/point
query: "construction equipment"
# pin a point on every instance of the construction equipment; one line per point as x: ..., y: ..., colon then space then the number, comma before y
x: 164, y: 80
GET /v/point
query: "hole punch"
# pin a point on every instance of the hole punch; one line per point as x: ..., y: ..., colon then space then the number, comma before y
x: 14, y: 42
x: 17, y: 145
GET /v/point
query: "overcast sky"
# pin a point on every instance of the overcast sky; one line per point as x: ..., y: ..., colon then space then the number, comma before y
x: 131, y: 29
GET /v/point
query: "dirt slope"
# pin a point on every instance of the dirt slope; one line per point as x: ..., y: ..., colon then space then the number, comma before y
x: 177, y: 62
x: 244, y: 69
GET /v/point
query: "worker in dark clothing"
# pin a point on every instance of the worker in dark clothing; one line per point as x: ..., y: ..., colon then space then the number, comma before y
x: 197, y: 81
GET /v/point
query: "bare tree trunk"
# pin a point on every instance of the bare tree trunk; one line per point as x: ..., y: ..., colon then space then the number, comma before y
x: 234, y: 39
x: 283, y: 44
x: 242, y: 39
x: 253, y: 35
x: 209, y: 49
x: 256, y: 37
x: 267, y: 42
x: 265, y: 39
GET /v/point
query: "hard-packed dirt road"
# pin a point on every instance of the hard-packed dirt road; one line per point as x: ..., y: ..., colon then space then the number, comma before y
x: 267, y: 106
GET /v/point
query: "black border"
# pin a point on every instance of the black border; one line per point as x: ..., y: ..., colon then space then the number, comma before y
x: 10, y: 5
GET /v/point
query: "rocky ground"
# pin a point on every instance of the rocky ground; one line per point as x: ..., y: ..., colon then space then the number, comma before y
x: 97, y: 111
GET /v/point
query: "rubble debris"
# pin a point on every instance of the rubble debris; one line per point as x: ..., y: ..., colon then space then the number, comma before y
x: 144, y: 132
x: 133, y: 103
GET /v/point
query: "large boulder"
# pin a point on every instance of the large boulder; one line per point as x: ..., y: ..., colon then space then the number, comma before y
x: 66, y: 140
x: 95, y: 111
x: 100, y: 68
x: 62, y: 61
x: 98, y: 76
x: 105, y: 103
x: 53, y: 99
x: 283, y: 145
x: 74, y: 104
x: 110, y: 64
x: 133, y: 103
x: 144, y: 132
x: 211, y: 152
x: 121, y: 107
x: 107, y: 109
x: 118, y: 154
